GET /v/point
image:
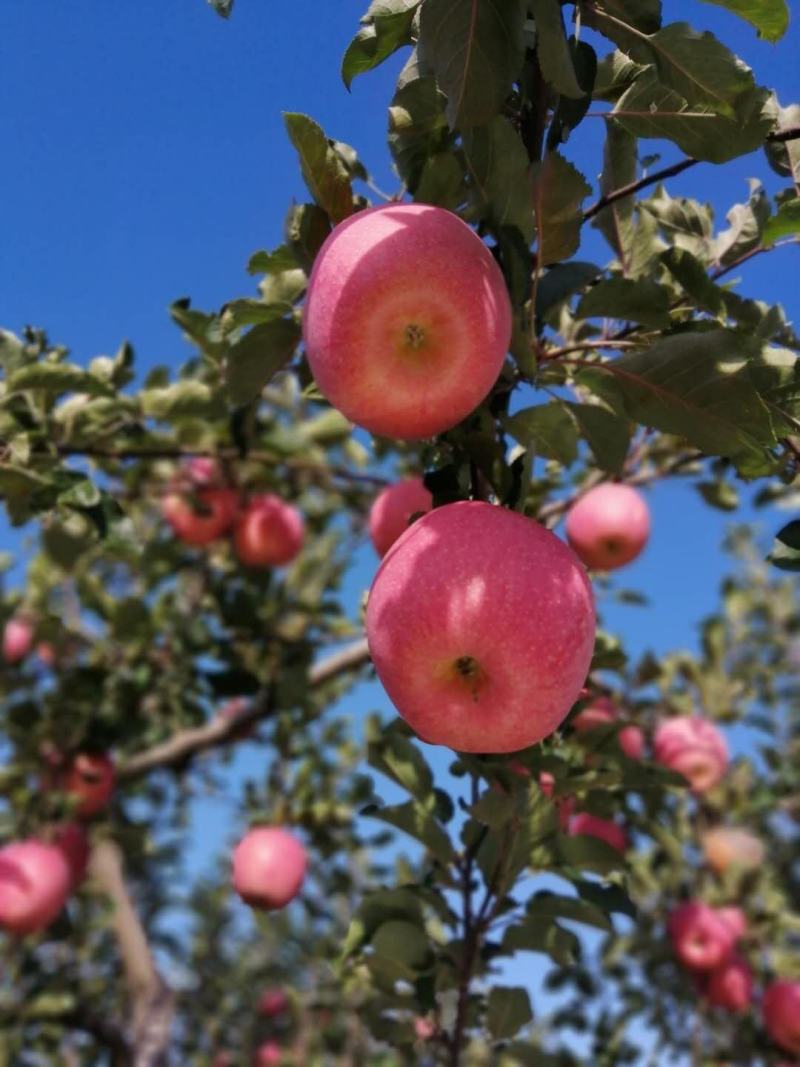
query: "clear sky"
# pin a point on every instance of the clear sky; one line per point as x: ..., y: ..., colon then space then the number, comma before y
x: 144, y: 159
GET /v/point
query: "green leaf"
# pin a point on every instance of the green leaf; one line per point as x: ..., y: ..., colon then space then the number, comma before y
x: 616, y: 72
x: 187, y: 398
x: 690, y: 272
x: 441, y: 182
x: 400, y: 759
x: 249, y: 312
x: 547, y: 905
x: 386, y: 27
x: 536, y: 935
x: 498, y: 167
x: 552, y: 49
x: 323, y: 169
x: 784, y: 156
x: 769, y: 17
x: 57, y: 378
x: 417, y: 128
x: 380, y: 907
x: 549, y: 429
x: 569, y: 112
x: 222, y: 7
x: 561, y: 281
x: 405, y: 947
x: 644, y: 15
x: 200, y: 327
x: 630, y: 301
x: 747, y: 222
x: 306, y: 226
x: 507, y: 1011
x: 720, y: 494
x: 610, y: 898
x: 784, y: 223
x: 476, y: 50
x: 617, y: 222
x: 590, y: 854
x: 414, y: 819
x: 608, y: 435
x: 785, y: 552
x: 280, y: 259
x: 558, y: 192
x: 259, y: 355
x: 494, y: 808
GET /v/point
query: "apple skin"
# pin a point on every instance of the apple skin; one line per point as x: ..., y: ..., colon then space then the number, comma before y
x: 17, y: 640
x: 74, y: 845
x: 701, y: 939
x: 781, y: 1010
x: 735, y: 919
x: 269, y: 865
x: 424, y: 1028
x: 693, y: 747
x: 608, y: 527
x: 602, y: 711
x: 728, y: 846
x: 35, y: 881
x: 268, y: 533
x: 407, y: 320
x: 480, y: 624
x: 392, y: 509
x: 201, y: 525
x: 730, y: 985
x: 268, y: 1055
x: 89, y: 779
x: 604, y: 829
x: 273, y: 1002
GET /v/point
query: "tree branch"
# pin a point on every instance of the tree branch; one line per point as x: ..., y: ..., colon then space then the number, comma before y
x: 188, y: 743
x: 634, y: 187
x: 152, y: 1002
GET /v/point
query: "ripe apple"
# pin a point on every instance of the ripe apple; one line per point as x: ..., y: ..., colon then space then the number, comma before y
x: 35, y: 881
x: 604, y: 829
x: 481, y: 626
x: 781, y: 1009
x: 728, y: 846
x: 17, y: 639
x: 269, y: 865
x: 268, y: 1054
x: 424, y: 1028
x: 74, y: 845
x: 693, y: 747
x: 602, y: 711
x: 730, y: 985
x: 701, y: 939
x: 268, y: 533
x: 89, y: 779
x: 735, y: 919
x: 608, y: 526
x: 202, y: 516
x: 392, y: 509
x: 407, y: 320
x: 273, y: 1002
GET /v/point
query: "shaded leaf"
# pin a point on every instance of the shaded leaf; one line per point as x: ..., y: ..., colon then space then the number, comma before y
x: 607, y: 434
x: 387, y: 27
x: 258, y: 356
x: 548, y: 429
x: 784, y: 223
x: 552, y: 49
x: 498, y: 168
x: 415, y: 820
x: 561, y: 281
x: 57, y: 378
x: 323, y: 169
x: 507, y: 1011
x: 558, y: 192
x: 617, y: 222
x: 631, y: 301
x: 785, y: 552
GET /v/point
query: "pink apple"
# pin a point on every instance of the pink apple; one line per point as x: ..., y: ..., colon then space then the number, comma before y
x: 269, y: 865
x: 735, y: 919
x: 481, y: 626
x: 35, y: 881
x: 89, y: 779
x: 603, y: 711
x: 728, y: 846
x: 781, y: 1009
x: 604, y: 829
x: 74, y: 845
x: 407, y: 320
x: 392, y: 509
x: 202, y: 516
x: 268, y: 533
x: 268, y: 1054
x: 565, y: 805
x: 700, y: 938
x: 17, y: 639
x: 730, y: 985
x: 46, y: 653
x: 693, y: 747
x: 203, y: 470
x: 424, y: 1028
x: 273, y: 1002
x: 608, y: 526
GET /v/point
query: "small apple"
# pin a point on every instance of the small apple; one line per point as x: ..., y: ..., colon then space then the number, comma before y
x: 392, y: 509
x: 603, y: 711
x: 701, y: 939
x: 74, y: 845
x: 17, y: 639
x: 735, y: 919
x: 201, y: 517
x: 269, y: 865
x: 693, y: 747
x: 730, y: 985
x: 608, y: 526
x: 268, y: 533
x: 35, y: 882
x: 273, y: 1002
x: 565, y: 806
x: 268, y: 1055
x: 89, y: 779
x: 727, y: 847
x: 424, y: 1028
x: 781, y: 1010
x: 604, y: 829
x: 481, y: 626
x: 407, y: 320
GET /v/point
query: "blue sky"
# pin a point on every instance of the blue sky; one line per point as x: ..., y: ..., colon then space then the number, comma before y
x: 145, y: 159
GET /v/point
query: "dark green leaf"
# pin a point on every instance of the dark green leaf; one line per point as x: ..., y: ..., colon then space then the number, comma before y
x: 785, y: 552
x: 508, y: 1010
x: 378, y: 908
x: 692, y: 275
x: 549, y: 429
x: 222, y: 7
x: 387, y: 27
x: 282, y: 258
x: 608, y: 435
x: 441, y: 182
x: 494, y: 808
x: 259, y: 355
x: 558, y: 192
x: 770, y: 17
x: 784, y: 223
x: 57, y: 378
x: 561, y: 281
x: 323, y: 168
x: 630, y: 301
x: 552, y: 49
x: 400, y: 758
x: 747, y: 222
x: 719, y: 494
x: 542, y: 935
x: 414, y: 819
x: 610, y: 898
x: 417, y: 127
x: 307, y: 226
x: 404, y: 947
x: 552, y: 906
x: 498, y: 168
x: 589, y: 853
x: 617, y: 222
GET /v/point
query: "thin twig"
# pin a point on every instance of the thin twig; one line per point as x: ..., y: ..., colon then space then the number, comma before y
x: 634, y: 187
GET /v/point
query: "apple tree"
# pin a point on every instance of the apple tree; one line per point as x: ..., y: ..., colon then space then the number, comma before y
x: 454, y: 381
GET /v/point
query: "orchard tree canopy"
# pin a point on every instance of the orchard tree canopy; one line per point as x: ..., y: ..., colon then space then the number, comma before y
x: 603, y: 866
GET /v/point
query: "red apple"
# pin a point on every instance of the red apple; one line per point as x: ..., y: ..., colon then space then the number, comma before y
x: 74, y: 845
x: 273, y: 1002
x: 17, y: 639
x: 268, y: 1054
x: 602, y: 711
x: 424, y: 1028
x: 269, y: 865
x: 604, y: 829
x: 392, y: 509
x: 608, y: 526
x: 728, y: 846
x: 202, y: 516
x: 781, y: 1009
x: 268, y: 533
x: 564, y: 805
x: 407, y: 320
x: 35, y: 881
x: 481, y: 625
x: 89, y: 779
x: 700, y: 938
x: 730, y: 985
x: 736, y: 920
x: 693, y: 747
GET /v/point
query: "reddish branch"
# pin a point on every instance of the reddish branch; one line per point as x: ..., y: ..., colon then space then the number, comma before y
x: 183, y: 746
